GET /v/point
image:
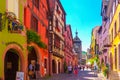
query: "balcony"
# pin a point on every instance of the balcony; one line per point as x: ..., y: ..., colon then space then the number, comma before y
x: 57, y: 52
x: 14, y: 25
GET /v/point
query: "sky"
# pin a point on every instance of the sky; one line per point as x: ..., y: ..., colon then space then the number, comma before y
x: 83, y: 16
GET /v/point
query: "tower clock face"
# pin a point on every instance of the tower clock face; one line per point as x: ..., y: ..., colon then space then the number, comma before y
x: 76, y: 46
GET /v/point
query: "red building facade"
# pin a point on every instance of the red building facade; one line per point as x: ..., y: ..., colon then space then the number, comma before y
x: 68, y: 45
x: 36, y: 20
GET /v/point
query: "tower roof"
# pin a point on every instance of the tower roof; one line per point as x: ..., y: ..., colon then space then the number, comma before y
x: 76, y: 37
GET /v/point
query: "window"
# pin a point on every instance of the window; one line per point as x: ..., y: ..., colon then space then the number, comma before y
x: 56, y: 41
x: 116, y: 2
x: 119, y: 54
x: 0, y: 21
x: 13, y: 6
x: 119, y: 22
x: 105, y: 59
x: 45, y: 63
x: 36, y: 3
x: 57, y: 7
x: 111, y: 35
x: 34, y: 24
x: 62, y: 46
x: 105, y: 9
x: 115, y: 30
x: 56, y: 22
x: 47, y: 32
x: 113, y: 8
x: 115, y: 58
x: 63, y: 17
x: 110, y: 17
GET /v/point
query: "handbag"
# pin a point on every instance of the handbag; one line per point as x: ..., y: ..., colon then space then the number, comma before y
x: 30, y: 73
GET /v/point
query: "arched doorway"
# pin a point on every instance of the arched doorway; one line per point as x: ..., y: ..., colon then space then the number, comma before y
x: 111, y: 61
x: 58, y: 67
x: 11, y: 64
x: 53, y: 66
x: 32, y: 55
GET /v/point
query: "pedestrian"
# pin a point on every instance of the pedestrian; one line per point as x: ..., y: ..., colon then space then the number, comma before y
x: 37, y: 68
x: 31, y: 70
x: 69, y: 69
x: 95, y: 69
x: 80, y: 67
x: 76, y: 70
x: 83, y: 68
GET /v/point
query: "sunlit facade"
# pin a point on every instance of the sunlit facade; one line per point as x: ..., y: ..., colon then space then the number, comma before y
x: 13, y: 47
x: 114, y: 30
x: 57, y: 26
x: 36, y: 19
x: 93, y: 46
x: 68, y: 53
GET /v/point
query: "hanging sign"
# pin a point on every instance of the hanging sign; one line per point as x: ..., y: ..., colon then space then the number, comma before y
x: 20, y: 76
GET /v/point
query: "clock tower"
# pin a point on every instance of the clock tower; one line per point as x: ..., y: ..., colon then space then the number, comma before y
x: 78, y: 47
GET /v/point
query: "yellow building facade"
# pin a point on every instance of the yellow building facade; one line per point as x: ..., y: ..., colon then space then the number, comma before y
x: 93, y: 40
x: 92, y: 45
x: 114, y: 40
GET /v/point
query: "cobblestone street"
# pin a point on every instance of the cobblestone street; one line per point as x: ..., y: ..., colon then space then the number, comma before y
x: 83, y: 75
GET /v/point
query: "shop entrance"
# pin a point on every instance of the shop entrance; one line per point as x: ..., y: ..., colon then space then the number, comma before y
x: 58, y: 67
x: 53, y: 66
x: 11, y: 64
x: 32, y: 56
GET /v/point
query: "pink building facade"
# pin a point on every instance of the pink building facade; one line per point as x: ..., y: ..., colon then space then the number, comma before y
x: 104, y: 40
x: 68, y: 45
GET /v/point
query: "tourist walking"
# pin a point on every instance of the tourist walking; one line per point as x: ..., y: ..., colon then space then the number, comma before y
x: 95, y: 68
x: 76, y: 70
x: 31, y: 70
x: 69, y: 69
